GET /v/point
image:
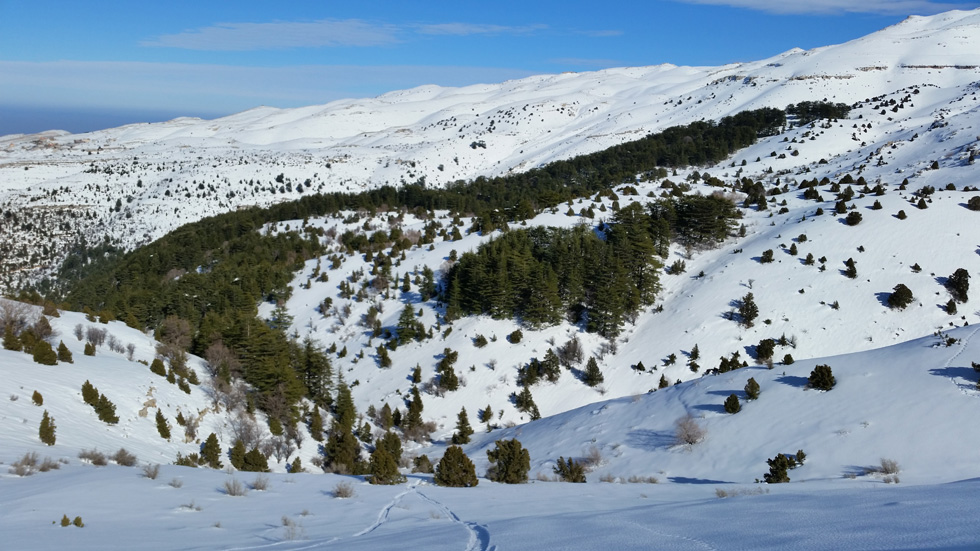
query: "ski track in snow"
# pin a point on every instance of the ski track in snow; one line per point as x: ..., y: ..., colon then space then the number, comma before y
x: 963, y: 345
x: 383, y: 515
x: 479, y: 534
x: 701, y: 544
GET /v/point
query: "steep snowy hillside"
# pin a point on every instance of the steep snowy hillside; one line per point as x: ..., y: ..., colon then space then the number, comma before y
x: 135, y: 183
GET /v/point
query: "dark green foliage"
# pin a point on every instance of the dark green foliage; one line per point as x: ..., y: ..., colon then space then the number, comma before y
x: 463, y: 429
x: 44, y: 354
x: 732, y: 405
x: 509, y: 462
x: 525, y: 403
x: 237, y: 455
x: 156, y: 366
x: 90, y: 394
x: 65, y: 521
x: 850, y: 268
x: 664, y: 383
x: 162, y: 426
x: 516, y: 336
x: 89, y: 349
x: 788, y: 359
x: 778, y: 467
x: 800, y: 457
x: 853, y: 218
x: 254, y: 461
x: 46, y: 432
x: 211, y: 452
x: 64, y: 355
x: 316, y: 425
x: 765, y: 349
x: 384, y: 468
x: 921, y: 204
x: 901, y: 215
x: 809, y: 111
x: 455, y: 469
x: 748, y: 311
x: 393, y: 444
x: 296, y: 466
x: 592, y: 376
x: 958, y: 285
x: 10, y: 340
x: 384, y: 360
x: 900, y: 297
x: 951, y: 307
x: 106, y: 410
x: 752, y: 389
x: 767, y: 256
x: 480, y: 341
x: 973, y: 203
x: 822, y: 378
x: 569, y: 471
x: 793, y: 250
x: 37, y: 399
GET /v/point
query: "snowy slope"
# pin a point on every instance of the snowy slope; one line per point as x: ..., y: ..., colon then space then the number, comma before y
x: 167, y: 174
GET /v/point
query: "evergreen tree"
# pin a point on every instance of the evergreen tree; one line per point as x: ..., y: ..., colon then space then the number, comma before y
x: 570, y: 471
x: 386, y: 418
x: 156, y: 366
x: 551, y: 366
x: 89, y: 349
x: 951, y: 307
x: 752, y: 389
x: 106, y: 410
x: 211, y: 452
x: 64, y: 355
x: 384, y: 360
x: 900, y: 297
x: 10, y: 340
x: 44, y: 354
x: 525, y: 403
x: 463, y: 429
x: 255, y: 462
x: 47, y: 430
x: 778, y: 467
x: 959, y: 285
x: 90, y: 394
x: 747, y: 310
x: 342, y: 450
x: 37, y: 399
x: 316, y: 424
x: 592, y: 376
x: 822, y: 378
x: 732, y: 405
x: 162, y: 426
x: 455, y: 469
x: 695, y: 352
x: 509, y: 462
x: 383, y: 468
x: 237, y: 455
x: 316, y: 372
x: 664, y: 383
x: 407, y: 325
x: 296, y: 466
x: 417, y: 374
x: 393, y: 444
x: 487, y: 414
x: 765, y: 349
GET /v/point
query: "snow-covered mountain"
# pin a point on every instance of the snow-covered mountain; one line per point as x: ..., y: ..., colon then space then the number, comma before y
x: 136, y: 182
x: 906, y: 380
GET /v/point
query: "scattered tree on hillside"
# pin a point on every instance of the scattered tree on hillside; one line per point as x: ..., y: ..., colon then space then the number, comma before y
x: 455, y: 469
x: 747, y: 310
x: 44, y: 354
x: 64, y: 355
x: 732, y: 405
x: 900, y: 297
x: 509, y: 462
x: 688, y: 431
x: 592, y: 376
x: 570, y: 470
x: 211, y: 452
x: 463, y: 429
x: 46, y: 432
x: 162, y: 426
x: 822, y: 378
x: 752, y: 389
x: 958, y: 285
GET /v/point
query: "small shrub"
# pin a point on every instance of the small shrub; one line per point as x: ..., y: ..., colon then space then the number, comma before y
x: 261, y: 483
x: 176, y: 483
x: 767, y: 256
x: 78, y: 522
x: 46, y: 432
x: 65, y: 521
x: 343, y: 490
x: 26, y: 465
x: 124, y: 458
x: 234, y: 488
x: 515, y: 337
x: 509, y: 462
x: 37, y: 398
x: 94, y: 457
x: 853, y: 218
x: 688, y: 431
x: 480, y: 341
x: 752, y: 389
x: 901, y: 297
x: 974, y: 203
x: 888, y: 466
x: 422, y: 464
x: 455, y: 469
x: 151, y: 471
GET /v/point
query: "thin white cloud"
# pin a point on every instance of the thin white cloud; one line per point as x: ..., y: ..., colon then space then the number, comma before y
x: 217, y: 88
x: 318, y: 34
x: 830, y: 7
x: 280, y: 35
x: 605, y: 33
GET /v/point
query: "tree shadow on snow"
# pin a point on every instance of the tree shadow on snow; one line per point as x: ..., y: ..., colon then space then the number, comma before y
x: 883, y: 298
x: 716, y: 408
x: 965, y: 378
x: 650, y: 440
x: 799, y: 382
x: 687, y: 480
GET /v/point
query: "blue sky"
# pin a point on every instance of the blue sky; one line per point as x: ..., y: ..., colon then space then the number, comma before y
x: 100, y: 63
